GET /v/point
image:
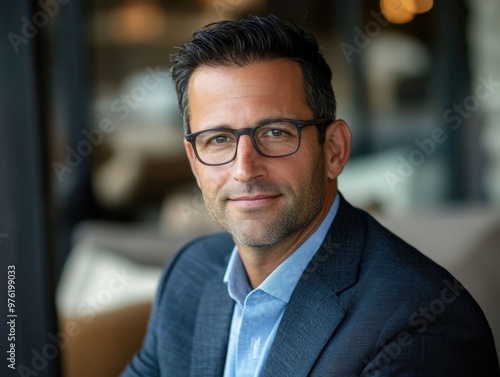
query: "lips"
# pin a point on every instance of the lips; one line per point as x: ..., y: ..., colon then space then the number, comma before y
x: 255, y: 200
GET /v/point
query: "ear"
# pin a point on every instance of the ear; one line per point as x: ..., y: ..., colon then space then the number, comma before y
x: 192, y: 160
x: 337, y: 147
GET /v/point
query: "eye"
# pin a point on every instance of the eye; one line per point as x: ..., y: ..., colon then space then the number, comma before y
x: 219, y: 139
x: 275, y: 132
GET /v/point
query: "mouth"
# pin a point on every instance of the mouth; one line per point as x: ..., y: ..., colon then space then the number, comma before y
x: 254, y: 201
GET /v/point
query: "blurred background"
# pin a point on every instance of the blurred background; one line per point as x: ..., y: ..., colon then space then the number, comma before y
x: 96, y: 194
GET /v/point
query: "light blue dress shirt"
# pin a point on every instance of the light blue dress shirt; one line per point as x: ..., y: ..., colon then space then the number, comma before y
x: 257, y: 313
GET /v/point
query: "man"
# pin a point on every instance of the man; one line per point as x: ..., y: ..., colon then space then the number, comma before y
x: 302, y: 283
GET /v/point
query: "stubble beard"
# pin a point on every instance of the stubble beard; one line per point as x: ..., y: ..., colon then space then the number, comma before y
x: 294, y: 216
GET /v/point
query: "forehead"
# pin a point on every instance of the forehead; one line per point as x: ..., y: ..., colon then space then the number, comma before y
x: 264, y: 89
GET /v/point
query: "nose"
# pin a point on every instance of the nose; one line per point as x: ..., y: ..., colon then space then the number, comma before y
x: 248, y: 165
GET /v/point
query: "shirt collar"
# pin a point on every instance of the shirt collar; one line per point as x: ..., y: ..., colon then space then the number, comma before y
x: 282, y: 281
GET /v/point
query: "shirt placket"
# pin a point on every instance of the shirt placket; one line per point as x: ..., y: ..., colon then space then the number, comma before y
x: 253, y: 333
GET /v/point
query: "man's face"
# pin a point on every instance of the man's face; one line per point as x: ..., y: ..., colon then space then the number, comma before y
x: 260, y: 201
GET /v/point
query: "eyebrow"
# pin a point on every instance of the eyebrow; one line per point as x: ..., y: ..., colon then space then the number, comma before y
x: 229, y: 127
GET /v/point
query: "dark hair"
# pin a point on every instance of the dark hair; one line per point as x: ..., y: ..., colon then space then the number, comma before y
x: 251, y: 40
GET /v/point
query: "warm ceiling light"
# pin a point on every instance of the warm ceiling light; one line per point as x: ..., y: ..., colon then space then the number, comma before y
x: 137, y: 23
x: 395, y: 12
x: 417, y: 6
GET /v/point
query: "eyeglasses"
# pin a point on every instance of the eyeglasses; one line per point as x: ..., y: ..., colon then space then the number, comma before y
x: 272, y: 138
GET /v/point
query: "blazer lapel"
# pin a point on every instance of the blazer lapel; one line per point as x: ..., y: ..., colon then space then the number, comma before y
x: 211, y: 333
x: 314, y: 310
x: 309, y: 321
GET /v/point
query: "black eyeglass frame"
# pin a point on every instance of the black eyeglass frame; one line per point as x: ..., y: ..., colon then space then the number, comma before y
x: 300, y: 124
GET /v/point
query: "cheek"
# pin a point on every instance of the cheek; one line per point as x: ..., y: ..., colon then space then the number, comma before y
x: 296, y: 172
x: 210, y: 180
x: 305, y: 162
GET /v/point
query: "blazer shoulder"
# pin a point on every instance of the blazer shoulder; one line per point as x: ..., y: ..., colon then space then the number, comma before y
x: 410, y: 276
x: 386, y: 258
x: 196, y: 269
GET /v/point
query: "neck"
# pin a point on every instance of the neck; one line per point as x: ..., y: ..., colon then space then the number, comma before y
x: 260, y: 263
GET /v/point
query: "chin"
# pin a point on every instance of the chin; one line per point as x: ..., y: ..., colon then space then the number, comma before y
x: 258, y: 241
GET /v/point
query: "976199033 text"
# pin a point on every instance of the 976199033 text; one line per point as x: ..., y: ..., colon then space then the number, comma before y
x: 11, y: 316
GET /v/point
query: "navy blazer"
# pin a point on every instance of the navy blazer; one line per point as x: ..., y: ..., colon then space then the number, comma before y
x: 368, y: 304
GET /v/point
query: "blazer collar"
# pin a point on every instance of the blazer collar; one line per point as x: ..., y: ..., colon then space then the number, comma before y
x: 314, y: 310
